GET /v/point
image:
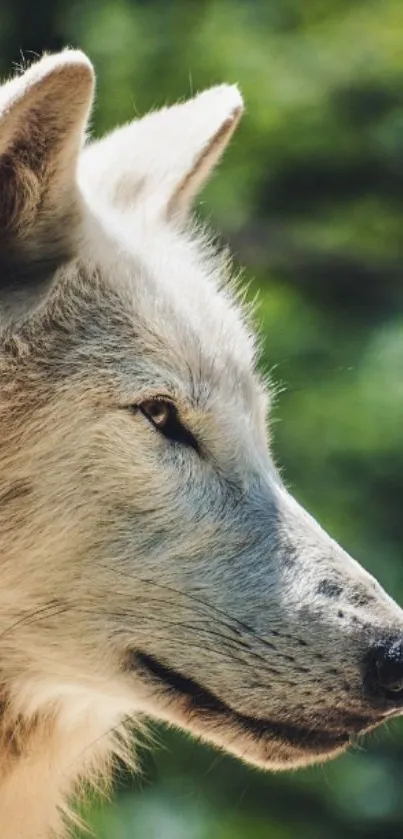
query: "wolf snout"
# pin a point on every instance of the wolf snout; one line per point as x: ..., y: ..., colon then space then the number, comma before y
x: 383, y: 677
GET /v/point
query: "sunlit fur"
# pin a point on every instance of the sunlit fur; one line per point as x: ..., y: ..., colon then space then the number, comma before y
x: 140, y: 577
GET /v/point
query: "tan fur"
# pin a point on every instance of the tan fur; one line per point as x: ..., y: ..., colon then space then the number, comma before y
x: 141, y: 575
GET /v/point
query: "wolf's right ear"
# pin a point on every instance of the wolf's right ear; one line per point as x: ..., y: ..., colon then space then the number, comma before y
x: 43, y: 114
x: 160, y: 163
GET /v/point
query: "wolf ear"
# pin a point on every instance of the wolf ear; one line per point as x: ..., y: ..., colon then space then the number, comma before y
x: 163, y: 160
x: 43, y: 114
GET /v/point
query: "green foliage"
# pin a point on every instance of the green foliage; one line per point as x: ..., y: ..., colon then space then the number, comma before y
x: 311, y: 199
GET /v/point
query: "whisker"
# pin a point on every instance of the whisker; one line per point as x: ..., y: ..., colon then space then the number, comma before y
x: 234, y: 622
x: 51, y: 610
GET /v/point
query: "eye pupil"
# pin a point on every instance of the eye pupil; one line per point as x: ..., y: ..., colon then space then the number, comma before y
x: 163, y: 415
x: 157, y: 411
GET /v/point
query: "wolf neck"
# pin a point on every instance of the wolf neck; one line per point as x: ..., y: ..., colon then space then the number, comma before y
x: 32, y: 787
x: 41, y: 764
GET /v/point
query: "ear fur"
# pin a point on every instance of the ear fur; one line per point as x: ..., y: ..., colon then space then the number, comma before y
x: 43, y: 114
x: 162, y: 161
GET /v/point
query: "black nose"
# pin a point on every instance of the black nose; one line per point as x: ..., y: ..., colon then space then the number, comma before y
x: 384, y: 676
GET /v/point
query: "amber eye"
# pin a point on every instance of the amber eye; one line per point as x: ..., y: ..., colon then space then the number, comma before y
x: 163, y: 415
x: 157, y: 411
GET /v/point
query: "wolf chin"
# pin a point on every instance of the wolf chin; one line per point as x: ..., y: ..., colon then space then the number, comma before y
x: 152, y: 562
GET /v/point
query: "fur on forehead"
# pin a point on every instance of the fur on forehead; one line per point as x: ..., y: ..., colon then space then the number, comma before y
x: 180, y: 297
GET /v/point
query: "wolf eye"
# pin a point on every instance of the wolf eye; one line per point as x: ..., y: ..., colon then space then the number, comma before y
x: 163, y: 415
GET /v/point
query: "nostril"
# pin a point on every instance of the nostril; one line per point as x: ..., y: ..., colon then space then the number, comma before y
x: 389, y: 666
x: 385, y: 670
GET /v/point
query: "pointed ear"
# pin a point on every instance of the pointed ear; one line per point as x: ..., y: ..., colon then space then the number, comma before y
x: 164, y: 159
x: 43, y: 114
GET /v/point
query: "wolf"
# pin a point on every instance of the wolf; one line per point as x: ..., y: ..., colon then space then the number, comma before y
x: 153, y: 564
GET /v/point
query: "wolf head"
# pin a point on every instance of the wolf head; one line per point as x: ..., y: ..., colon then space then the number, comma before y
x: 152, y: 561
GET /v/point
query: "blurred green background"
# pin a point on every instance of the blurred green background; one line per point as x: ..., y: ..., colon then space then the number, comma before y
x: 310, y: 197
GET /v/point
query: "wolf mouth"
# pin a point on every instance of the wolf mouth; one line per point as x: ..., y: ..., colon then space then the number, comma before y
x: 202, y: 702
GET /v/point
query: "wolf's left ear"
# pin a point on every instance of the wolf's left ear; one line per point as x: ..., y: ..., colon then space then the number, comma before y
x: 43, y: 114
x: 164, y: 159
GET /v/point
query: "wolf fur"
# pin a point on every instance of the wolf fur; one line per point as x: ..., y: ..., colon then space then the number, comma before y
x: 145, y: 576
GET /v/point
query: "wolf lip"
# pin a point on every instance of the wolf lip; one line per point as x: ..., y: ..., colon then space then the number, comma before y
x: 207, y: 704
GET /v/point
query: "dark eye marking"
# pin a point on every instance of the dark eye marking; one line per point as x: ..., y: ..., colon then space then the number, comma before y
x: 163, y: 415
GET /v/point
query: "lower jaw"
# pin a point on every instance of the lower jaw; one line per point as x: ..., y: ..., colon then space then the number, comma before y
x: 269, y: 752
x: 263, y: 742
